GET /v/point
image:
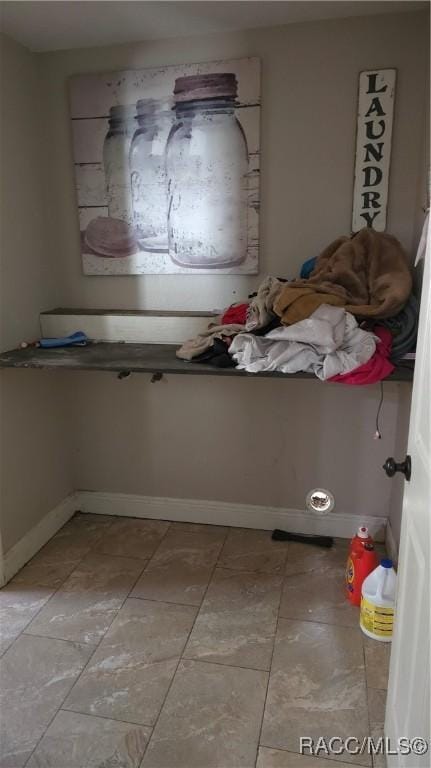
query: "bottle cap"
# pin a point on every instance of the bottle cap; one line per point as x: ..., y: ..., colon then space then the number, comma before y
x: 386, y: 563
x: 363, y: 532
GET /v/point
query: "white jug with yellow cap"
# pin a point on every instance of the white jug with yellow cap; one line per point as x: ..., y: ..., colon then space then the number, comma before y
x: 378, y: 602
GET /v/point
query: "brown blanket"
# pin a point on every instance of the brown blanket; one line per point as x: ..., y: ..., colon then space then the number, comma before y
x: 297, y: 302
x: 368, y: 271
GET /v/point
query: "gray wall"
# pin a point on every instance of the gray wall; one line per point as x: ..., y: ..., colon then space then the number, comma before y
x: 35, y: 471
x: 254, y: 442
x: 29, y: 274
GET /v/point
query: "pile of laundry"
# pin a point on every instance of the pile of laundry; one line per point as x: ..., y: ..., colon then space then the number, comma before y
x: 349, y: 317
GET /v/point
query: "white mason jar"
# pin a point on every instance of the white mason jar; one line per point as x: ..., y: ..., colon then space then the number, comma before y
x: 207, y: 166
x: 148, y: 173
x: 116, y: 150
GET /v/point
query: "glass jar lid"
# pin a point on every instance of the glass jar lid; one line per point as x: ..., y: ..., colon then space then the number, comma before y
x: 151, y: 108
x: 201, y: 87
x: 121, y: 113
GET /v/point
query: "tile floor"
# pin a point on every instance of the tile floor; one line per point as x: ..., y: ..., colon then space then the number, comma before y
x: 147, y: 644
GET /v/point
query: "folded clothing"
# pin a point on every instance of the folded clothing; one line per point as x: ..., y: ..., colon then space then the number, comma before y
x: 368, y: 271
x: 327, y: 343
x: 236, y: 313
x: 378, y: 367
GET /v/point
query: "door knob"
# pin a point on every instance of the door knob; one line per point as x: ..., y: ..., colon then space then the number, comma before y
x: 391, y: 467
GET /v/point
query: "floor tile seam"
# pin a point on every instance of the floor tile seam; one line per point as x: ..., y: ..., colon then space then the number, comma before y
x: 268, y: 746
x: 51, y: 539
x: 147, y: 569
x: 94, y: 648
x: 80, y: 532
x: 125, y: 518
x: 167, y: 602
x: 316, y: 757
x: 281, y: 572
x: 316, y: 621
x: 180, y: 658
x: 223, y: 534
x: 76, y: 711
x: 223, y: 541
x: 186, y: 658
x: 60, y: 639
x: 83, y: 642
x: 125, y: 557
x: 223, y: 664
x: 222, y: 545
x: 2, y: 653
x: 23, y: 631
x: 189, y: 533
x: 322, y: 568
x: 91, y: 546
x: 209, y: 538
x: 148, y: 558
x: 199, y: 608
x: 250, y: 572
x: 366, y: 695
x: 269, y: 675
x: 365, y: 639
x: 91, y: 549
x: 108, y: 525
x: 308, y: 571
x: 78, y: 562
x: 177, y: 666
x: 52, y: 718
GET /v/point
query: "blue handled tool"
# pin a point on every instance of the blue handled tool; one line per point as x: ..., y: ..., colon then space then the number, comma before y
x: 75, y: 339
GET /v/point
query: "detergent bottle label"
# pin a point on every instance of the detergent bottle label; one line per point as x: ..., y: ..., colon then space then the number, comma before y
x: 350, y: 574
x: 377, y: 619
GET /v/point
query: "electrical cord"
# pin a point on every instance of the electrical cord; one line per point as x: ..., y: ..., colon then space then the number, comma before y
x: 378, y: 434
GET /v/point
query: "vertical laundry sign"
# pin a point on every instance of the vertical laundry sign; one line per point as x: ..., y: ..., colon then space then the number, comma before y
x: 373, y: 148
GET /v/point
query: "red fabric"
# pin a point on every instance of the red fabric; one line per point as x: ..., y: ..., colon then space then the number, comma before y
x: 377, y: 367
x: 235, y: 314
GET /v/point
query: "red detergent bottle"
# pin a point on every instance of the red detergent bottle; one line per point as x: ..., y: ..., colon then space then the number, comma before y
x: 361, y: 561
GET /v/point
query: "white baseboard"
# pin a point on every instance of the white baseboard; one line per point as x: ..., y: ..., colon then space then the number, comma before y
x: 391, y: 544
x: 336, y: 524
x: 225, y: 513
x: 37, y: 537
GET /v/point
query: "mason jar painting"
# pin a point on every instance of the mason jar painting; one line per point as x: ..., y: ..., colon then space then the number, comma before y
x: 172, y: 187
x: 207, y: 166
x: 116, y: 149
x: 148, y: 173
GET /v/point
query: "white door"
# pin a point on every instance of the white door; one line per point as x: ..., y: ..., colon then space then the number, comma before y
x: 408, y: 704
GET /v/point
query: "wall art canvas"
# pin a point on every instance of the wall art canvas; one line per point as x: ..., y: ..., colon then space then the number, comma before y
x: 167, y: 169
